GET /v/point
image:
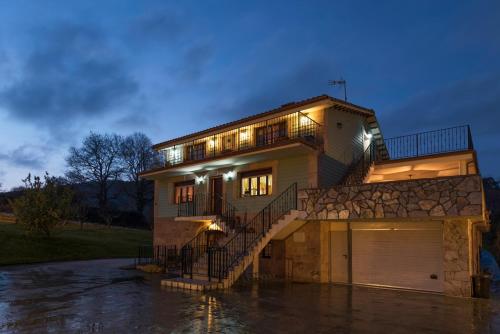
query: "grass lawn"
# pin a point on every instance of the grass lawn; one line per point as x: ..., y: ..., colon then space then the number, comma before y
x: 69, y: 243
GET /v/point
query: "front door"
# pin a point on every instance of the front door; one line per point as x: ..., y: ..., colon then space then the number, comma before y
x: 339, y: 265
x: 216, y: 195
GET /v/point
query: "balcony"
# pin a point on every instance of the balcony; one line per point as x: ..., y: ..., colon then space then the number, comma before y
x: 441, y: 141
x: 295, y: 127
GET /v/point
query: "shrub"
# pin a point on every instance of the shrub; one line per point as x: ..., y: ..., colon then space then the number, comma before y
x: 43, y: 205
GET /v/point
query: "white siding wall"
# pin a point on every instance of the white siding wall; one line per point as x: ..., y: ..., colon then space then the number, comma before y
x: 342, y: 145
x: 301, y: 169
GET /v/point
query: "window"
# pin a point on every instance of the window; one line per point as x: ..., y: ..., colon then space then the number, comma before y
x: 267, y: 252
x: 257, y: 183
x: 229, y: 142
x: 184, y: 192
x: 270, y: 134
x: 196, y: 151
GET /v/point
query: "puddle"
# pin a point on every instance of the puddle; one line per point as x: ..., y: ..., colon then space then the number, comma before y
x: 100, y: 297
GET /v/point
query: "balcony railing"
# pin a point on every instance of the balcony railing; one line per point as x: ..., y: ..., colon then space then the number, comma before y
x: 261, y: 134
x: 429, y: 143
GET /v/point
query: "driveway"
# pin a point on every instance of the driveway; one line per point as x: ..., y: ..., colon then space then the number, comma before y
x: 98, y: 296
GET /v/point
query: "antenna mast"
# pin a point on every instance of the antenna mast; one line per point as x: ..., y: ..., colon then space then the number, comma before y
x: 340, y: 82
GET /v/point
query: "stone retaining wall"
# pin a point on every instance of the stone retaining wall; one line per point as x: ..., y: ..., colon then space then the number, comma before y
x: 452, y: 196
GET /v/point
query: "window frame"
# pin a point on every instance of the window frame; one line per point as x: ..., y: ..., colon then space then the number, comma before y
x: 184, y: 185
x: 271, y: 133
x: 196, y: 151
x: 258, y: 174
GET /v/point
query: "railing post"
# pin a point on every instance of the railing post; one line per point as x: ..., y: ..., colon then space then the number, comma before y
x: 269, y: 218
x: 191, y: 262
x: 417, y: 144
x: 209, y: 263
x: 263, y: 224
x: 244, y: 237
x: 469, y: 135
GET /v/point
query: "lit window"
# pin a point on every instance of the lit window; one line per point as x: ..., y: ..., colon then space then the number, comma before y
x: 184, y: 192
x: 256, y: 183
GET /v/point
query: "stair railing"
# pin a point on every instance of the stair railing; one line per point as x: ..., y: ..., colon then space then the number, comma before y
x: 222, y: 258
x: 357, y: 171
x: 198, y: 246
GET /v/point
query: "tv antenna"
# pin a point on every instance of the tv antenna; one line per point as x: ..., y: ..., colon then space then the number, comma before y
x: 340, y: 82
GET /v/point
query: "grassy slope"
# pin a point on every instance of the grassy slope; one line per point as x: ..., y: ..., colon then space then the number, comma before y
x: 69, y: 243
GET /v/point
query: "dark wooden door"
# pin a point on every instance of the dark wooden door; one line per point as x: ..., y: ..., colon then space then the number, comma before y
x: 216, y: 192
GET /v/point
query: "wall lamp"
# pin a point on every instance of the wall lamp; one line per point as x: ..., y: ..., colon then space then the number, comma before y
x: 228, y: 176
x: 200, y: 179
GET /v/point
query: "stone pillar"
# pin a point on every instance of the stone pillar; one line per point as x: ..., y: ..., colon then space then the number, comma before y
x: 457, y: 277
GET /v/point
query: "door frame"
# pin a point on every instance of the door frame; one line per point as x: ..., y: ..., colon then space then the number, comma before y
x: 340, y: 227
x: 216, y: 201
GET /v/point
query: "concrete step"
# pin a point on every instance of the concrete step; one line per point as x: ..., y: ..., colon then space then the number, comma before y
x: 191, y: 284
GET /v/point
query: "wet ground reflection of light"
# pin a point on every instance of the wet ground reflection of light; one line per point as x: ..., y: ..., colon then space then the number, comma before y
x: 97, y: 296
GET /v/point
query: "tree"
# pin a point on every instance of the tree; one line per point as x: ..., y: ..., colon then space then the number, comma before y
x: 96, y: 161
x: 138, y: 156
x: 43, y: 205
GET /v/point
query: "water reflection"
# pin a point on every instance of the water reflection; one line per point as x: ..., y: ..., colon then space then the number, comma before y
x: 98, y: 296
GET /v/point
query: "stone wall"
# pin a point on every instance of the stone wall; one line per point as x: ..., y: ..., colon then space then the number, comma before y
x: 303, y: 249
x: 439, y: 197
x: 167, y: 231
x: 457, y: 280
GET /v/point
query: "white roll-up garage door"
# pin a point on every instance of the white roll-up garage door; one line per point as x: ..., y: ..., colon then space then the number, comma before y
x: 398, y: 257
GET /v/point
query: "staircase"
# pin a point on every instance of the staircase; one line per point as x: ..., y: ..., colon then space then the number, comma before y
x: 194, y: 252
x: 219, y: 265
x: 360, y: 167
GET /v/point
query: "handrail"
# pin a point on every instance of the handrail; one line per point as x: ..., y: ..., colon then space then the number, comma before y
x: 198, y: 246
x: 358, y: 169
x: 312, y: 120
x: 224, y: 257
x: 432, y: 142
x: 243, y: 138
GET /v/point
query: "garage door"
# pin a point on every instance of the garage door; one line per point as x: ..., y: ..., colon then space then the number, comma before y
x: 404, y: 258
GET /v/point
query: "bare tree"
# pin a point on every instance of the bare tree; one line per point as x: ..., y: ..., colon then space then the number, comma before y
x: 138, y: 156
x: 96, y: 161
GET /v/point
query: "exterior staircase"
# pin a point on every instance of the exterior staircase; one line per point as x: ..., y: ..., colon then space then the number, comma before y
x: 360, y: 167
x: 219, y: 265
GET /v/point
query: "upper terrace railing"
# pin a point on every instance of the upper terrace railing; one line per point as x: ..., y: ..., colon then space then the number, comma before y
x: 429, y: 143
x: 276, y: 130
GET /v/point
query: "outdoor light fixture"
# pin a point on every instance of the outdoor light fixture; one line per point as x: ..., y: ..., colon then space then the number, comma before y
x: 200, y: 179
x: 211, y: 143
x: 214, y: 227
x: 173, y: 154
x: 228, y: 176
x: 304, y: 120
x: 243, y: 135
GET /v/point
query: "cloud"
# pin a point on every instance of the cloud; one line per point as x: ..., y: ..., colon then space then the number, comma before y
x: 71, y: 72
x: 473, y: 101
x: 304, y: 81
x: 161, y: 26
x: 28, y: 156
x: 194, y: 62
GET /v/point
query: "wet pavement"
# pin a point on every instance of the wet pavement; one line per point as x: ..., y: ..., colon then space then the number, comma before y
x: 99, y: 297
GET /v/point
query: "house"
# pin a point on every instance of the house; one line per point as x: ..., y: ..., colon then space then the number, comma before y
x: 312, y: 192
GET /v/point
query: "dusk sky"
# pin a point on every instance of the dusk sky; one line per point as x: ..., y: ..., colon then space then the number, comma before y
x: 171, y: 68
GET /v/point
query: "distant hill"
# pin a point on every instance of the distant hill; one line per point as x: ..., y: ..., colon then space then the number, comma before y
x: 121, y: 203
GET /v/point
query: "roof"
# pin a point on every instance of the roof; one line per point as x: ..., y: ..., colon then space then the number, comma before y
x: 284, y: 107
